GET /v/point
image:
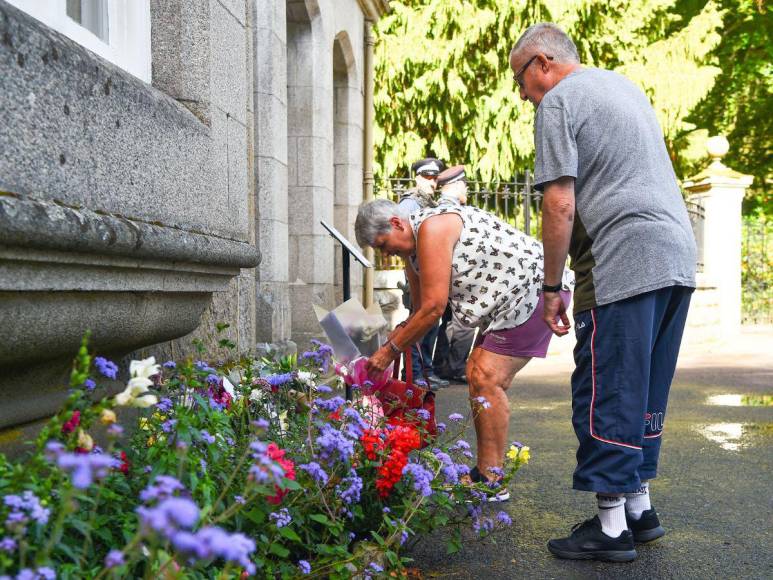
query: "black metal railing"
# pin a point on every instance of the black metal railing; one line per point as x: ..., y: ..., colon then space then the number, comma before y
x: 516, y: 202
x: 757, y: 271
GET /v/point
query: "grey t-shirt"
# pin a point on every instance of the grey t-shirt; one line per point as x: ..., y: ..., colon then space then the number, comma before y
x: 631, y: 231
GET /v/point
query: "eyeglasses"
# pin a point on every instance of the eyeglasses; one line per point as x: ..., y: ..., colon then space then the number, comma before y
x: 517, y: 76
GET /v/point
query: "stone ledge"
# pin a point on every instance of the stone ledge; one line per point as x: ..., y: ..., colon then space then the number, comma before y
x: 44, y: 225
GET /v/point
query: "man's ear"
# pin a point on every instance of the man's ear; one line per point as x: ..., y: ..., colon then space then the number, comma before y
x: 396, y: 222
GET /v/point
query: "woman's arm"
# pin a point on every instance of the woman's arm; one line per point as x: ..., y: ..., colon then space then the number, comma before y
x: 435, y: 248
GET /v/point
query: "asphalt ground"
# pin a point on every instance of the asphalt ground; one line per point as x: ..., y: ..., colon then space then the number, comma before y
x: 714, y: 492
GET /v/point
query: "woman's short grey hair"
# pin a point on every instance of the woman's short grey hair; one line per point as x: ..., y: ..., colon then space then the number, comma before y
x: 550, y: 40
x: 373, y: 220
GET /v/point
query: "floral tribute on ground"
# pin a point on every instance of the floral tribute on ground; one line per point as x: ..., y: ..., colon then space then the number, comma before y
x: 255, y: 467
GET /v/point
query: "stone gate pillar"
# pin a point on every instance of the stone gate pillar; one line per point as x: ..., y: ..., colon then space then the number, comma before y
x: 720, y: 191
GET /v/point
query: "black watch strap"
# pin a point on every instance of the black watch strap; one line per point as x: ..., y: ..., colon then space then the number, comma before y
x: 549, y: 288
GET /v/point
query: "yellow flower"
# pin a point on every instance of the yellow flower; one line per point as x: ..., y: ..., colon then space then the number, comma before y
x: 524, y: 455
x: 512, y: 453
x: 107, y: 417
x: 85, y: 440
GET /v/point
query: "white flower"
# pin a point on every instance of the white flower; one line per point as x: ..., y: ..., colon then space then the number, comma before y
x: 307, y: 378
x: 134, y: 393
x: 144, y: 368
x: 257, y: 394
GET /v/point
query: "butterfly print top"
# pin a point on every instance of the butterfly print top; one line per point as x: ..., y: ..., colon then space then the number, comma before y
x: 496, y: 270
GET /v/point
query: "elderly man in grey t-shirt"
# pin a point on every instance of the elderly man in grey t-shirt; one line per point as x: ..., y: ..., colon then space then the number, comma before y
x: 612, y: 202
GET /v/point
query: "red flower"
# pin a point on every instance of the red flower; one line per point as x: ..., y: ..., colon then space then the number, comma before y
x: 70, y: 425
x: 220, y: 395
x: 124, y: 467
x: 400, y: 441
x: 372, y: 443
x: 276, y: 454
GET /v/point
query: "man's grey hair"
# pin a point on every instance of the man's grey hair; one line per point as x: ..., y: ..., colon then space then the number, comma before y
x: 550, y: 40
x: 373, y: 220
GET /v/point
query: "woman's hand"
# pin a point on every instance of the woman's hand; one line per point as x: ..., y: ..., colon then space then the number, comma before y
x: 380, y: 361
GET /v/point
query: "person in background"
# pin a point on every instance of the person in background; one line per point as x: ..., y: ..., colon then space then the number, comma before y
x: 425, y: 173
x: 454, y: 340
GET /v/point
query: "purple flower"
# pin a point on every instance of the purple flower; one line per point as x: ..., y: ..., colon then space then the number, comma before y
x: 163, y: 487
x: 497, y: 471
x: 230, y: 442
x: 349, y: 489
x: 206, y: 437
x: 441, y: 427
x: 8, y: 545
x: 504, y: 518
x: 43, y: 573
x: 456, y: 417
x: 106, y: 368
x: 281, y: 518
x: 331, y: 405
x: 170, y: 364
x: 25, y: 508
x: 403, y: 537
x: 164, y: 405
x: 169, y: 515
x: 89, y: 385
x: 315, y: 471
x: 204, y: 367
x: 386, y: 510
x: 240, y: 499
x: 423, y: 414
x: 323, y: 389
x: 333, y: 444
x: 168, y: 426
x: 518, y: 444
x: 115, y: 430
x: 84, y: 468
x: 304, y: 567
x: 265, y: 469
x: 212, y: 379
x: 422, y: 478
x: 279, y: 380
x: 483, y: 402
x: 213, y: 542
x: 260, y: 424
x: 373, y: 567
x: 114, y: 559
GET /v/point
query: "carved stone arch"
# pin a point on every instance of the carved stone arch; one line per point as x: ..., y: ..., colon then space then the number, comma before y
x: 302, y: 10
x: 344, y: 62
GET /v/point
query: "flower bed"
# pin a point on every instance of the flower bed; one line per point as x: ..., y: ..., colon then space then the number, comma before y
x: 257, y: 468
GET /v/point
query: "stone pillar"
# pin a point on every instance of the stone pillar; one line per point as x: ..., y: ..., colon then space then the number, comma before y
x: 720, y: 191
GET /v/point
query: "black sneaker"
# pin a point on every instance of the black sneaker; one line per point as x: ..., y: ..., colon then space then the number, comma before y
x: 646, y: 528
x: 588, y: 542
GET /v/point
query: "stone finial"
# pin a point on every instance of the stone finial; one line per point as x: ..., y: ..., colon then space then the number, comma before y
x: 717, y: 146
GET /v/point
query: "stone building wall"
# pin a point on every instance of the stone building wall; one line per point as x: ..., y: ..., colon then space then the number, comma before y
x: 309, y: 59
x: 147, y: 212
x: 127, y: 208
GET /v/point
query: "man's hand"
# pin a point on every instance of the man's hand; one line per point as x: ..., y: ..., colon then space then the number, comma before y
x: 379, y: 361
x: 555, y: 311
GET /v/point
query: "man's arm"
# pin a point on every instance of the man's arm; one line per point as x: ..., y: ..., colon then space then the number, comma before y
x: 557, y: 223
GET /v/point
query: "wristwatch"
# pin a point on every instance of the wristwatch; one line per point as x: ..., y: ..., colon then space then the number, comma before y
x: 393, y: 347
x: 549, y: 288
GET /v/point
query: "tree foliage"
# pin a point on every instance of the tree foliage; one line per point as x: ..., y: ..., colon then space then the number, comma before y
x: 444, y: 87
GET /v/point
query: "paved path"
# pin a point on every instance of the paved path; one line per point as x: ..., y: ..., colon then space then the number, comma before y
x: 714, y: 493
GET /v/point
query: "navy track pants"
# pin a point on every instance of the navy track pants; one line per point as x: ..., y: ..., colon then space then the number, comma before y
x: 625, y: 359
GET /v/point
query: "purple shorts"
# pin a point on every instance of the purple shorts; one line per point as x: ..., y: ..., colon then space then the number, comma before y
x: 531, y: 338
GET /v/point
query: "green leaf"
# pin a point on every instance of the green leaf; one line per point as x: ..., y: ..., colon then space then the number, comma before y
x: 289, y: 534
x: 279, y: 550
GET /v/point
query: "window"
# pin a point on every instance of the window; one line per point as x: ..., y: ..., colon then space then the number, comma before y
x: 116, y: 30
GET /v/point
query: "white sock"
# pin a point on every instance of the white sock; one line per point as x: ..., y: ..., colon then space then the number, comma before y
x: 612, y: 514
x: 638, y: 502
